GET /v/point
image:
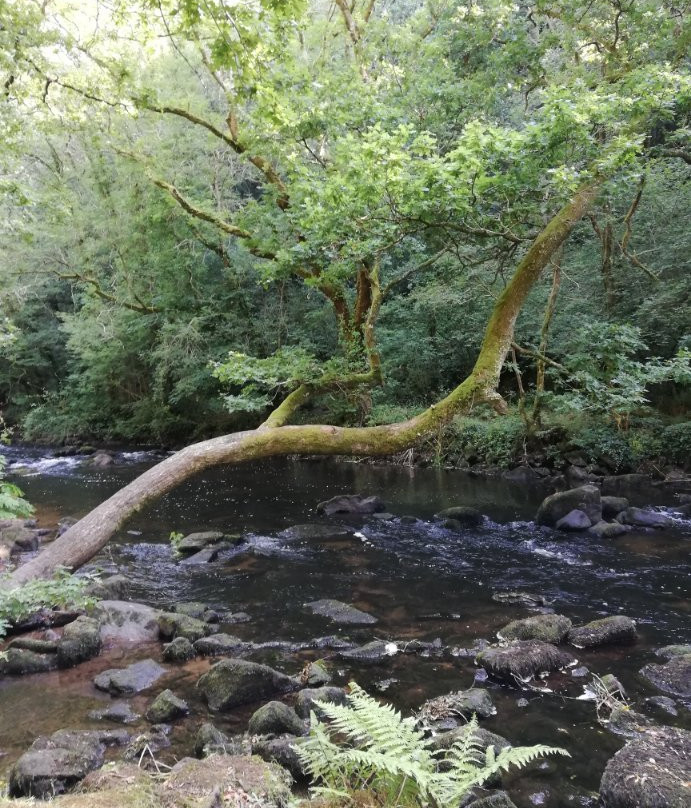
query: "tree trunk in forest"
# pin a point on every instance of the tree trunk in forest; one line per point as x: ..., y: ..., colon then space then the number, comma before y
x: 84, y: 539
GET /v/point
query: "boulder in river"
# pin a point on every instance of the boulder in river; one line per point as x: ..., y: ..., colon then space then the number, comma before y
x: 232, y: 682
x: 166, y: 707
x: 585, y: 498
x: 134, y: 678
x: 613, y: 506
x: 123, y: 621
x: 651, y: 771
x: 198, y: 610
x: 669, y: 651
x: 315, y: 674
x: 210, y: 740
x: 172, y: 624
x: 453, y: 709
x: 517, y: 598
x: 179, y: 650
x: 467, y: 517
x: 304, y: 703
x: 616, y: 630
x: 81, y: 640
x: 546, y: 627
x: 316, y: 532
x: 340, y: 612
x: 275, y: 718
x: 608, y: 530
x: 372, y: 653
x: 645, y: 518
x: 574, y: 520
x: 16, y: 537
x: 21, y: 661
x: 219, y: 645
x: 120, y: 712
x: 522, y: 660
x: 194, y: 542
x: 674, y: 677
x: 627, y: 722
x: 351, y: 503
x: 283, y: 751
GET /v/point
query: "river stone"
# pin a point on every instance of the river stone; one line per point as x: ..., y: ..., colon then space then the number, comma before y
x: 452, y: 709
x: 315, y: 675
x: 340, y: 612
x: 210, y: 740
x: 34, y: 644
x: 313, y: 532
x: 499, y: 799
x: 146, y: 744
x: 574, y: 520
x: 100, y: 459
x: 351, y: 503
x: 275, y: 718
x: 467, y: 517
x: 283, y: 751
x: 219, y: 645
x: 482, y: 737
x: 205, y: 556
x: 614, y: 630
x: 21, y: 661
x: 651, y: 771
x: 674, y: 677
x: 644, y: 518
x: 669, y: 651
x: 612, y: 506
x: 172, y: 625
x: 81, y: 640
x: 194, y: 542
x: 179, y: 650
x: 586, y: 498
x: 546, y: 627
x: 132, y: 679
x: 120, y: 712
x: 372, y: 653
x: 124, y: 621
x: 663, y: 703
x: 627, y: 722
x: 166, y: 707
x: 618, y: 484
x: 232, y: 682
x: 529, y: 599
x: 305, y: 702
x: 198, y: 610
x: 522, y: 660
x: 111, y: 588
x: 608, y: 530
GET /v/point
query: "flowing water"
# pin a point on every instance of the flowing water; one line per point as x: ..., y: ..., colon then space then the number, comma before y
x: 420, y: 580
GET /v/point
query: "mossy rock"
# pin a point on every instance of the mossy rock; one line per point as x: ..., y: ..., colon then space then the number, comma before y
x: 545, y: 627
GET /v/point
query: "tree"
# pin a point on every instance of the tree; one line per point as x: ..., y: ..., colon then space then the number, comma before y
x: 376, y: 148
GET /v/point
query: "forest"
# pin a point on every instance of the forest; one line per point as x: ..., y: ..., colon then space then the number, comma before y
x: 418, y: 237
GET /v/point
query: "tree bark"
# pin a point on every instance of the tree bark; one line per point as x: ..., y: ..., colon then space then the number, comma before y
x: 84, y: 539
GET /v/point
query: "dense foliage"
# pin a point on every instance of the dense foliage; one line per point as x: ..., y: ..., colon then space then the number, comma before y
x: 207, y: 208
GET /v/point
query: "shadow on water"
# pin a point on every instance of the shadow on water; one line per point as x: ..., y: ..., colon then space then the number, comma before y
x: 419, y: 579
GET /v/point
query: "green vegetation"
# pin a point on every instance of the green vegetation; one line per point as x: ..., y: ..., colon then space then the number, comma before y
x: 368, y: 748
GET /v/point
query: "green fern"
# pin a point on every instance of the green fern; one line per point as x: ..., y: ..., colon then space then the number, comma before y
x: 368, y: 745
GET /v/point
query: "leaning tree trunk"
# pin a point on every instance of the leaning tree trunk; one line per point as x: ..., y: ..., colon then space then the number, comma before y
x: 84, y: 539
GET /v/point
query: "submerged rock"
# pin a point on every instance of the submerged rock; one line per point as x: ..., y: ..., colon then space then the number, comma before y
x: 644, y: 518
x: 232, y: 682
x: 315, y: 532
x: 669, y: 651
x: 523, y: 660
x: 482, y: 737
x: 275, y: 718
x: 132, y: 679
x: 574, y: 520
x: 372, y: 653
x: 81, y: 640
x: 586, y: 498
x: 529, y: 599
x: 340, y: 612
x: 351, y: 503
x: 179, y: 650
x: 546, y: 627
x: 607, y: 631
x: 120, y: 712
x: 674, y: 677
x: 166, y: 707
x: 453, y: 709
x: 124, y: 621
x: 305, y: 702
x: 627, y: 722
x: 651, y: 771
x: 466, y: 517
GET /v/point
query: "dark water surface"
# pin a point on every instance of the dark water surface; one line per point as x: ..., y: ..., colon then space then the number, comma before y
x: 404, y: 574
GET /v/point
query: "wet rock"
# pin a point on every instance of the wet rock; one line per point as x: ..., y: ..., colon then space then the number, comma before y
x: 574, y: 520
x: 612, y: 684
x: 205, y: 556
x: 351, y: 503
x: 644, y: 518
x: 651, y: 771
x: 21, y: 661
x: 305, y: 702
x: 614, y: 630
x: 65, y: 524
x: 219, y: 645
x: 576, y: 475
x: 522, y: 660
x: 236, y: 617
x: 210, y: 740
x: 120, y: 712
x: 232, y: 682
x: 331, y: 642
x: 194, y: 542
x: 550, y: 628
x: 482, y: 737
x: 100, y: 459
x: 172, y: 625
x: 372, y: 653
x: 282, y: 751
x: 627, y: 722
x: 669, y: 651
x: 466, y: 517
x: 143, y: 746
x: 275, y: 718
x: 449, y: 711
x: 179, y: 650
x: 125, y: 622
x: 315, y: 675
x: 612, y: 506
x: 166, y: 707
x: 580, y: 672
x: 384, y: 516
x: 198, y: 610
x: 111, y: 588
x: 674, y: 677
x: 132, y: 679
x: 315, y: 532
x: 16, y: 537
x: 499, y: 799
x: 619, y: 484
x: 608, y: 530
x: 34, y: 644
x: 81, y: 640
x: 340, y: 612
x: 663, y: 703
x: 586, y: 498
x: 529, y: 599
x: 525, y: 475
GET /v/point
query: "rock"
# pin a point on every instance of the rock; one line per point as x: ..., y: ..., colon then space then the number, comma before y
x: 550, y: 628
x: 232, y: 682
x: 612, y: 506
x: 663, y: 703
x: 205, y: 556
x: 282, y: 751
x: 586, y: 498
x: 468, y: 517
x: 351, y: 503
x: 674, y: 677
x: 166, y: 707
x: 615, y: 630
x: 65, y: 524
x: 209, y: 740
x: 499, y: 799
x: 608, y: 530
x: 313, y: 532
x: 627, y: 722
x: 304, y: 703
x: 522, y: 660
x: 17, y: 538
x: 340, y: 612
x: 384, y: 516
x: 275, y: 718
x: 179, y: 650
x: 483, y: 738
x: 372, y: 653
x: 111, y: 588
x: 529, y: 599
x: 453, y: 709
x: 101, y: 459
x: 120, y: 712
x: 125, y: 622
x: 146, y: 744
x: 669, y: 651
x: 574, y: 520
x: 219, y: 645
x: 576, y: 475
x: 20, y: 661
x: 194, y: 542
x: 172, y: 625
x: 524, y: 475
x: 316, y: 675
x: 132, y: 679
x: 651, y: 771
x: 35, y: 645
x: 198, y: 610
x: 580, y: 672
x: 643, y: 518
x: 81, y: 640
x: 620, y: 484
